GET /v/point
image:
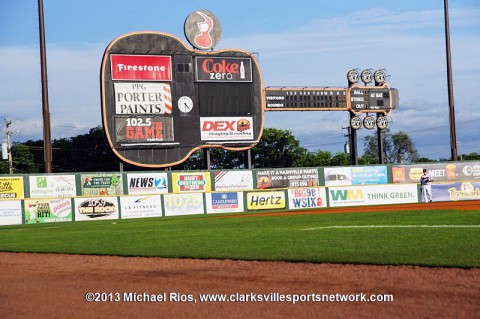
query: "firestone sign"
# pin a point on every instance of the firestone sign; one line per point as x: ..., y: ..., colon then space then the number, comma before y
x: 141, y: 67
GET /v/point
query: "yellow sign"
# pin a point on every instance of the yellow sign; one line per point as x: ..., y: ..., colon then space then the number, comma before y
x: 265, y: 200
x: 191, y: 182
x: 11, y: 187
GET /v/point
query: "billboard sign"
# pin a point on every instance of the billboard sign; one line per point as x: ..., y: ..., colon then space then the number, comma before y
x: 10, y: 212
x: 226, y: 202
x: 287, y: 177
x: 441, y: 172
x: 457, y: 191
x: 141, y: 206
x: 147, y: 183
x: 183, y: 204
x: 48, y: 210
x: 52, y: 186
x: 220, y: 69
x: 141, y: 67
x: 233, y: 180
x: 96, y: 208
x: 372, y: 195
x: 303, y: 198
x: 11, y: 187
x: 226, y: 128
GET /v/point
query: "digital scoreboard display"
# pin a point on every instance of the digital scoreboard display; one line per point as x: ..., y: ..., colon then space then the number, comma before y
x: 305, y: 99
x: 358, y: 99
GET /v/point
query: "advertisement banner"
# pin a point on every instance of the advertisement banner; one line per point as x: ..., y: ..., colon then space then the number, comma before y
x: 265, y: 200
x: 48, y: 210
x: 455, y: 191
x: 141, y: 67
x: 10, y: 212
x: 141, y: 206
x: 143, y: 98
x: 143, y: 129
x: 226, y: 128
x: 147, y: 183
x: 231, y: 202
x: 52, y: 186
x: 372, y: 195
x: 101, y: 184
x: 440, y: 172
x: 287, y: 177
x: 96, y: 208
x: 11, y: 187
x: 302, y: 198
x: 361, y: 175
x: 191, y: 182
x: 233, y: 180
x: 220, y: 69
x: 183, y: 204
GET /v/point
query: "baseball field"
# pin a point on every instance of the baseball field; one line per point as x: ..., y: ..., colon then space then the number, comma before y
x: 422, y: 259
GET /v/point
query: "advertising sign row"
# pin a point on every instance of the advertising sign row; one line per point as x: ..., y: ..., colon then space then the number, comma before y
x: 114, y: 184
x: 141, y: 206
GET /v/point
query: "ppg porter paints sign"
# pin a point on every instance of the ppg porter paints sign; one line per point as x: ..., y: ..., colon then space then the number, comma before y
x: 161, y: 100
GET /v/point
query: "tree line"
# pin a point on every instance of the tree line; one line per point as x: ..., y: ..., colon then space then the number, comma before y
x: 91, y: 152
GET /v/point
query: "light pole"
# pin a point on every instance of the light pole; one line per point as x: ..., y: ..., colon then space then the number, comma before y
x: 460, y: 145
x: 9, y: 146
x: 453, y: 139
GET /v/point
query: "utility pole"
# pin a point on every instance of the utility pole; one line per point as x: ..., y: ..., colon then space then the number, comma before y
x: 47, y: 139
x: 9, y: 146
x: 451, y: 104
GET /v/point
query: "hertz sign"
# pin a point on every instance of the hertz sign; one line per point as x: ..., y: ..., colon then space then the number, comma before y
x: 161, y: 101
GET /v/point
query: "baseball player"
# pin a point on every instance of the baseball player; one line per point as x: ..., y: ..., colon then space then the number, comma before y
x: 425, y: 181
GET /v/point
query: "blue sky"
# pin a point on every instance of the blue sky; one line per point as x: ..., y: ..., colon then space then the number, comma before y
x: 305, y: 43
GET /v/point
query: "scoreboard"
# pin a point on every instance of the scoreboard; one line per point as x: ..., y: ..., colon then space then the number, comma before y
x: 358, y: 99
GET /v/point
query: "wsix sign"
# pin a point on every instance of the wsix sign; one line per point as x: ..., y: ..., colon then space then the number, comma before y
x: 161, y: 101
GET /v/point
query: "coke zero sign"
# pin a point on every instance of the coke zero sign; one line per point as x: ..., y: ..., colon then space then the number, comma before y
x: 219, y: 69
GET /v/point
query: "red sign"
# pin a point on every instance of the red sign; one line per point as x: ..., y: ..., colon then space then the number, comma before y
x: 141, y: 67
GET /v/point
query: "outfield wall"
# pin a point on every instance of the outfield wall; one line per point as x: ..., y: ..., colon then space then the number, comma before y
x: 95, y: 196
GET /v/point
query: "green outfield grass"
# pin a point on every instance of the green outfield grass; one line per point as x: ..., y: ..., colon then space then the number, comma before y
x: 289, y: 238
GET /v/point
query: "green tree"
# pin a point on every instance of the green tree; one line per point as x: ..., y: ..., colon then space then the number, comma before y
x: 403, y: 149
x: 398, y: 147
x: 22, y: 160
x: 277, y: 148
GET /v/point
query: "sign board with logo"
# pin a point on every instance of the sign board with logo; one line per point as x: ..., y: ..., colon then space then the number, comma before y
x: 304, y: 198
x: 141, y: 206
x: 191, y: 182
x: 52, y: 186
x: 11, y: 187
x: 265, y: 200
x: 10, y: 212
x: 161, y: 100
x: 101, y: 184
x: 457, y: 191
x: 183, y: 204
x: 48, y: 210
x: 227, y: 202
x: 372, y: 195
x: 96, y: 208
x: 287, y: 177
x: 441, y: 172
x: 358, y: 175
x: 147, y: 183
x: 226, y: 128
x: 233, y: 180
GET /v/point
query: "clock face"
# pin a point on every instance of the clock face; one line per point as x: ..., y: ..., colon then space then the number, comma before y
x: 185, y: 104
x: 352, y: 76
